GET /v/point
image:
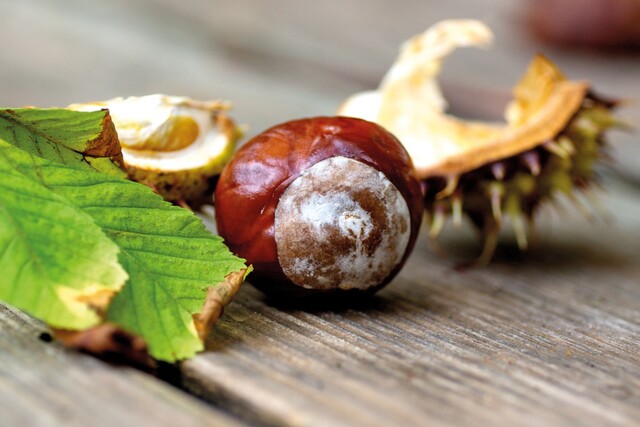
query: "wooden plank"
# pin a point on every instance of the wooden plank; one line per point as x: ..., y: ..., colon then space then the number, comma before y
x: 550, y: 339
x: 42, y: 384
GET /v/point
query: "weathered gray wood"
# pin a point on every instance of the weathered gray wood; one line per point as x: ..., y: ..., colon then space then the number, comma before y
x: 41, y: 384
x: 550, y: 339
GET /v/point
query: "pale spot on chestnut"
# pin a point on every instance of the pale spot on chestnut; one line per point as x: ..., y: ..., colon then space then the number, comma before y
x: 340, y: 225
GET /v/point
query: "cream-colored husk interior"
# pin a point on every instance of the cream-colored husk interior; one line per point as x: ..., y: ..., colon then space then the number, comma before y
x: 409, y: 103
x: 139, y: 120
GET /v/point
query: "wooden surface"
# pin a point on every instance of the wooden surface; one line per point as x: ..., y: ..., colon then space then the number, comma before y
x: 550, y: 338
x: 41, y: 384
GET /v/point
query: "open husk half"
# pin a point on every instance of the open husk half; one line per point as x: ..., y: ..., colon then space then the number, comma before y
x: 175, y: 145
x: 550, y: 138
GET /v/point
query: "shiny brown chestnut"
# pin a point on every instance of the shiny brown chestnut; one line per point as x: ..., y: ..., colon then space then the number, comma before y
x: 320, y: 206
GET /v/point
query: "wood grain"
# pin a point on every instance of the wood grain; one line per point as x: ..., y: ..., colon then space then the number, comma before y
x: 551, y: 338
x: 548, y: 339
x: 42, y: 384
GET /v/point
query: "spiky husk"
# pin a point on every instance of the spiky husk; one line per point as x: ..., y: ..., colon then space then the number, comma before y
x: 550, y: 139
x: 516, y: 186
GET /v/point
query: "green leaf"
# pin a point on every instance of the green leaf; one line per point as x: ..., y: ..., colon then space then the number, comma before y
x: 83, y: 139
x: 171, y: 259
x: 40, y: 233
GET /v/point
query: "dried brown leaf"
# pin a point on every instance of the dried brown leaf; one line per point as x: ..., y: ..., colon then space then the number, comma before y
x: 217, y: 298
x: 108, y: 342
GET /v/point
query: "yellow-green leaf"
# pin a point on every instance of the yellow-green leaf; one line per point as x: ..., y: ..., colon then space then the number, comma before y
x: 172, y: 261
x: 56, y: 263
x: 65, y: 136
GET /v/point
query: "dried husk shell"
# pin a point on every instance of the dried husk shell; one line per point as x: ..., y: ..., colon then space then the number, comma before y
x: 547, y: 145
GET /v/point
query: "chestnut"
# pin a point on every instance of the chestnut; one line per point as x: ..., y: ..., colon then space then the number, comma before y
x: 320, y: 206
